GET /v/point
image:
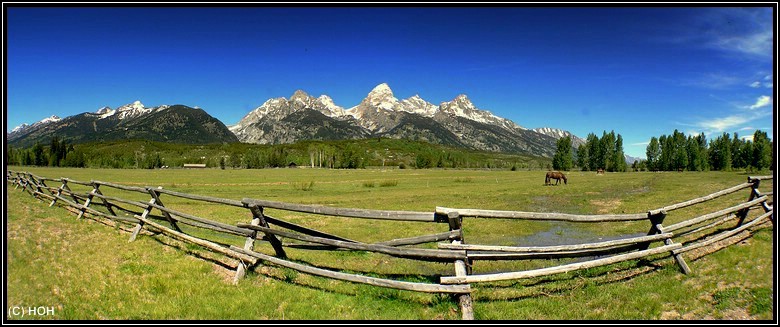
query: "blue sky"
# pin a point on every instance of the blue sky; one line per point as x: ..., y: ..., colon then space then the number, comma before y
x: 640, y: 71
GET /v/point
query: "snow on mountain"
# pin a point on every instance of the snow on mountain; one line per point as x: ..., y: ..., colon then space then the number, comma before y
x: 461, y: 106
x: 417, y: 105
x: 49, y: 120
x: 457, y: 123
x: 559, y: 133
x: 554, y: 132
x: 24, y: 127
x: 371, y: 112
x: 131, y: 110
x: 382, y: 96
x: 330, y: 106
x: 20, y: 128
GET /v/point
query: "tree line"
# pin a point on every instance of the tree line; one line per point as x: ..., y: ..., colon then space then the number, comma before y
x: 675, y: 152
x: 346, y: 154
x: 596, y: 153
x: 678, y: 152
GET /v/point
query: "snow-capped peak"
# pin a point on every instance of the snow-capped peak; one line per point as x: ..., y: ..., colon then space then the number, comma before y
x: 327, y: 101
x: 382, y: 96
x: 381, y: 89
x: 49, y: 120
x: 462, y: 106
x: 44, y: 121
x: 558, y: 134
x: 105, y: 112
x: 134, y: 109
x: 300, y: 96
x: 417, y: 105
x: 555, y: 132
x: 20, y: 127
x: 137, y: 105
x: 333, y: 110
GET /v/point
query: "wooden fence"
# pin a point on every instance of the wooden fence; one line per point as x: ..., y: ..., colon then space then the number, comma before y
x: 451, y: 246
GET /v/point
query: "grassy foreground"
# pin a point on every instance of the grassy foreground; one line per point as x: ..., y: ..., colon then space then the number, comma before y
x: 87, y: 270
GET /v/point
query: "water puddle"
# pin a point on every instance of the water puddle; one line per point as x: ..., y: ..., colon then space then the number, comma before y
x: 563, y: 233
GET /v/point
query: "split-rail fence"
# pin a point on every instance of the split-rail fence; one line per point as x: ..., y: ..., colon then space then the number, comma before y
x: 451, y: 248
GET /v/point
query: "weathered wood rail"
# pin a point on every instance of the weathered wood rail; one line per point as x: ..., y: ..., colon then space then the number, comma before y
x: 263, y: 227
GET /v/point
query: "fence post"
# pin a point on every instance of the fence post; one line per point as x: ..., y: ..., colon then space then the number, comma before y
x: 742, y: 213
x: 24, y: 183
x: 257, y: 213
x: 43, y: 182
x: 17, y: 180
x: 105, y: 202
x: 462, y: 267
x: 83, y: 209
x: 59, y: 192
x: 249, y: 245
x: 66, y: 187
x: 35, y: 184
x: 137, y: 228
x: 656, y: 220
x: 156, y: 198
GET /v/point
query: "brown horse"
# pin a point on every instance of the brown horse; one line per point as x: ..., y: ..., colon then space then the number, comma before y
x: 556, y: 175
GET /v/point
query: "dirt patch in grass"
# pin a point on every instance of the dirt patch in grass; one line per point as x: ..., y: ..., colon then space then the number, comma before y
x: 606, y: 205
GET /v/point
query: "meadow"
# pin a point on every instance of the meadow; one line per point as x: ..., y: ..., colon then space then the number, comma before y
x: 88, y: 270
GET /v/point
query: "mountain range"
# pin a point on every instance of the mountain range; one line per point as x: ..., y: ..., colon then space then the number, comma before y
x: 174, y: 123
x: 380, y: 114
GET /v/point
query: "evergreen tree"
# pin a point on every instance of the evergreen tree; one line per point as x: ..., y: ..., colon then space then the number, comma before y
x: 697, y: 155
x: 75, y: 158
x: 679, y: 154
x: 653, y: 153
x: 607, y: 145
x: 38, y: 156
x: 619, y: 157
x: 582, y: 157
x: 762, y: 150
x: 720, y: 153
x: 595, y: 153
x: 562, y: 160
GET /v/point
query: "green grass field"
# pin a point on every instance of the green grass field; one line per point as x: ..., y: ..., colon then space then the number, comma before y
x: 87, y: 270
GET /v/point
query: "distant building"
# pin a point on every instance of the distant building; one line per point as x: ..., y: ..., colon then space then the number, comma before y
x: 292, y: 165
x: 194, y: 165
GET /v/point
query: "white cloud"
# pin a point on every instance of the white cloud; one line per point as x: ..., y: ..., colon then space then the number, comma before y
x: 722, y: 124
x: 757, y: 43
x: 640, y: 143
x: 762, y: 101
x: 746, y: 31
x: 737, y: 121
x: 755, y: 84
x: 768, y: 83
x: 716, y: 81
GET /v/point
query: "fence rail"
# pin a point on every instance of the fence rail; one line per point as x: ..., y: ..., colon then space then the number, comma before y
x: 450, y: 244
